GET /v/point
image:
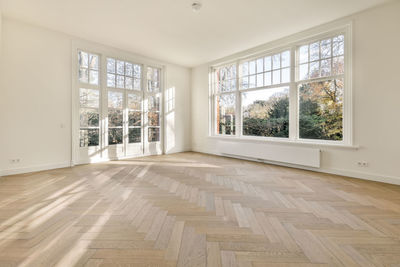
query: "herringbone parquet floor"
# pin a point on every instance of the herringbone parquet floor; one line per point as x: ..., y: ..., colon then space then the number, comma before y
x: 192, y: 209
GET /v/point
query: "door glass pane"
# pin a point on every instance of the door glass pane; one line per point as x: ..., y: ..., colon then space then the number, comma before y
x: 134, y: 102
x: 89, y: 98
x: 135, y: 118
x: 115, y: 117
x: 154, y: 103
x: 89, y: 117
x: 135, y: 135
x: 154, y: 119
x: 115, y: 99
x: 154, y: 134
x: 115, y: 136
x: 88, y: 137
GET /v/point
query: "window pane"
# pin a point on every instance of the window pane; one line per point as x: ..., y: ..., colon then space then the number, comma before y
x: 244, y: 69
x: 135, y: 135
x: 321, y: 110
x: 154, y: 103
x: 115, y: 136
x: 260, y: 80
x: 260, y: 65
x: 303, y: 72
x: 267, y: 64
x: 153, y: 79
x: 285, y: 59
x: 286, y: 75
x: 135, y: 118
x: 252, y: 67
x: 325, y: 67
x: 89, y: 98
x: 276, y: 61
x: 129, y: 69
x: 154, y: 118
x: 267, y: 78
x: 94, y: 62
x: 244, y: 83
x: 154, y: 134
x: 134, y: 102
x: 120, y: 67
x: 120, y: 81
x: 314, y: 51
x: 94, y: 77
x: 338, y: 45
x: 128, y: 83
x: 115, y: 99
x: 89, y: 117
x: 88, y: 137
x: 83, y: 59
x: 136, y: 84
x: 115, y: 118
x: 326, y: 48
x: 276, y: 77
x: 83, y: 75
x: 137, y: 71
x: 110, y: 80
x: 110, y: 65
x: 266, y: 112
x: 252, y: 81
x: 226, y: 114
x: 303, y: 54
x: 338, y: 65
x: 314, y: 69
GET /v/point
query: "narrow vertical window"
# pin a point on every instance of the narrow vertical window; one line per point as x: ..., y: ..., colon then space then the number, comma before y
x: 89, y: 99
x: 225, y: 99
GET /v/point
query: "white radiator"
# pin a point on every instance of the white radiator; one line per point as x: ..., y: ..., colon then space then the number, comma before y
x: 304, y: 156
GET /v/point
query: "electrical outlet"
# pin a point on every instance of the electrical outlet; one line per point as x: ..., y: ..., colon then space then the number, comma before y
x: 362, y: 164
x: 13, y: 161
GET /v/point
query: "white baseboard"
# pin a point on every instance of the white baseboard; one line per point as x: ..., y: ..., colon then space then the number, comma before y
x: 35, y: 168
x: 349, y: 173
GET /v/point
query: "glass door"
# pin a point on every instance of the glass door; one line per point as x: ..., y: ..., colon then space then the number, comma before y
x: 119, y: 109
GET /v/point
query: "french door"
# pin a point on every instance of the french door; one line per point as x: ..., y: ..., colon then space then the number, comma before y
x: 120, y: 113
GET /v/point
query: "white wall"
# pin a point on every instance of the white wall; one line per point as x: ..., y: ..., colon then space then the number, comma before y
x: 376, y: 41
x: 35, y: 99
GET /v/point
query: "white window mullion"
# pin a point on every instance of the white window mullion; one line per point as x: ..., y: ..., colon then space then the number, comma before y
x: 293, y: 97
x: 238, y: 115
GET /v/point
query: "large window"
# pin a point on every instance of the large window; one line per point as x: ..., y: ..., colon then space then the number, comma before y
x: 225, y: 99
x: 297, y: 93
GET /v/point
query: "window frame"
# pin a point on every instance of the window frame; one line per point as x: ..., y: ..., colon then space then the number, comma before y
x: 291, y: 43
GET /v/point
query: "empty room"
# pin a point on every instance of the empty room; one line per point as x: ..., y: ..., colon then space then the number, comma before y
x: 219, y: 133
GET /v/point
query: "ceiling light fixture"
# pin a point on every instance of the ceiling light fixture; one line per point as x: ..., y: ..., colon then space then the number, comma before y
x: 196, y: 6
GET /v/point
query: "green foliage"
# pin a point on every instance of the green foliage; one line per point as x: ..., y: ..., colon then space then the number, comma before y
x: 321, y: 113
x: 273, y: 123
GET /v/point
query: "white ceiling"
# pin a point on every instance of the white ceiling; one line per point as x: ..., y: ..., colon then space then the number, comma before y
x: 170, y: 31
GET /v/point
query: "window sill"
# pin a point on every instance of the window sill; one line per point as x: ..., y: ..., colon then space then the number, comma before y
x: 283, y: 141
